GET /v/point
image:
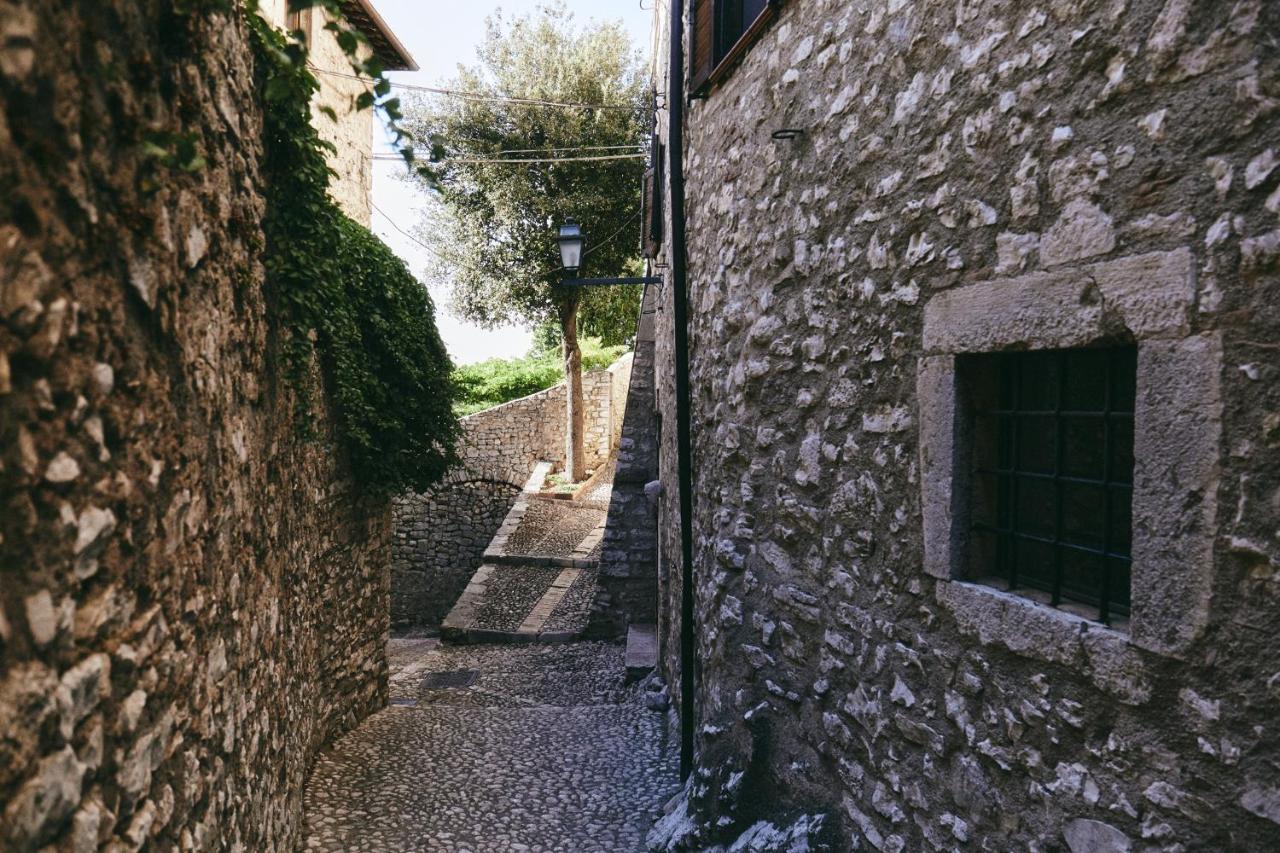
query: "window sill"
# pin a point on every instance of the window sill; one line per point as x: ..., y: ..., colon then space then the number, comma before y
x: 1052, y: 635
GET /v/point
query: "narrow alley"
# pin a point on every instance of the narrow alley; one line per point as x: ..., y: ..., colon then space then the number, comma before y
x: 513, y: 734
x: 536, y: 748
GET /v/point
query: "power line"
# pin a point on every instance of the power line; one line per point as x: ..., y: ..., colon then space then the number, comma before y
x: 405, y: 233
x: 469, y: 160
x: 435, y: 254
x: 566, y: 148
x: 476, y: 96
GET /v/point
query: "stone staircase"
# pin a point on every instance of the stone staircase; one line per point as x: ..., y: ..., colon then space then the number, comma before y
x: 537, y: 581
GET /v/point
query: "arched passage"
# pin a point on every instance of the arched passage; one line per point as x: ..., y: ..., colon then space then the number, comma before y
x: 439, y: 541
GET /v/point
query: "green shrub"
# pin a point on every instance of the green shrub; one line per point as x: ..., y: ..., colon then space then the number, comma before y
x: 341, y: 297
x: 499, y: 380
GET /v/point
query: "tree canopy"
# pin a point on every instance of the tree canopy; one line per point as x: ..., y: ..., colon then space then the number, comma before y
x: 494, y: 233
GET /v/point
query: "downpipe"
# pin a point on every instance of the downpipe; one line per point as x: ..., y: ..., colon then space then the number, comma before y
x: 684, y: 444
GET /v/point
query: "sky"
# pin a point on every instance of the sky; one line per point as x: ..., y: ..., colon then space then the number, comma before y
x: 441, y: 34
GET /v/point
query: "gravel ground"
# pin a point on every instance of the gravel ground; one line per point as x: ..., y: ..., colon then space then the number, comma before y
x: 574, y: 610
x: 511, y: 593
x: 548, y: 751
x: 553, y: 527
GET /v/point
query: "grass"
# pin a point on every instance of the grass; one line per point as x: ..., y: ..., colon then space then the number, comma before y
x: 499, y: 380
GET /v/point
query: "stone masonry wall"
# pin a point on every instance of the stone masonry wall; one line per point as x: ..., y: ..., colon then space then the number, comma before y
x: 505, y: 442
x: 439, y: 541
x: 628, y: 560
x: 192, y: 601
x: 440, y: 537
x: 948, y: 144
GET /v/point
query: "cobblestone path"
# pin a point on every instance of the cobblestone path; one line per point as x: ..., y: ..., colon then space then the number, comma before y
x: 543, y: 749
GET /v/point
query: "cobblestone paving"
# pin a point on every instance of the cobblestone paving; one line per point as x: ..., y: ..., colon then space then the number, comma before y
x: 547, y: 752
x: 553, y: 527
x: 512, y: 593
x: 574, y: 610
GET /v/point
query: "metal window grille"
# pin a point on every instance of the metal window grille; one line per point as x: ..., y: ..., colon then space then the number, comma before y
x: 1052, y: 476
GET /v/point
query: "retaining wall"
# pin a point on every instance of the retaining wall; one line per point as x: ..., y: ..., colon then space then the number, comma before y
x: 440, y: 536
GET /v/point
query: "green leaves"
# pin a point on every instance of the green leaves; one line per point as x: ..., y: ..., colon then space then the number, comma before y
x: 499, y: 380
x: 498, y: 250
x: 179, y: 151
x: 343, y: 300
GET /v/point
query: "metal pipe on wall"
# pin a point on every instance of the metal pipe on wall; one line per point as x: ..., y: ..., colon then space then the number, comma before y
x: 684, y: 444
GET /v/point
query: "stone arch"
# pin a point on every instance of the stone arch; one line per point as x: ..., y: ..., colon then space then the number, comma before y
x: 440, y: 538
x: 473, y: 471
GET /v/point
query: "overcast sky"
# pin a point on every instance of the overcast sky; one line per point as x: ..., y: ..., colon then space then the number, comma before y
x: 441, y: 34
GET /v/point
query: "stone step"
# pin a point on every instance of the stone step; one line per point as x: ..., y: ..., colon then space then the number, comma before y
x: 642, y: 651
x: 524, y: 603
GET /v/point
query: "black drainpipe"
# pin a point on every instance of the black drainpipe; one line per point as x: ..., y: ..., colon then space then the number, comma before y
x: 684, y: 444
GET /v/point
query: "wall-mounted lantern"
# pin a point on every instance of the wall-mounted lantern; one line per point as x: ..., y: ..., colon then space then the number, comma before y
x: 571, y: 240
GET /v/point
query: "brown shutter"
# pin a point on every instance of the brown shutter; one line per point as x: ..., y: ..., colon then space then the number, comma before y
x: 652, y: 211
x: 702, y: 58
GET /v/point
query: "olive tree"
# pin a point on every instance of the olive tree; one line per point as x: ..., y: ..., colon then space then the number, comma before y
x: 494, y: 230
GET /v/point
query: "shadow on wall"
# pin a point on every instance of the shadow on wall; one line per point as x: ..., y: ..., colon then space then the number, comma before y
x: 440, y: 537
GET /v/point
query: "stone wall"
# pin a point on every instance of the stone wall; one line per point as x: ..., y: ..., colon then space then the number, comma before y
x: 628, y: 560
x: 193, y: 601
x: 980, y: 155
x: 439, y: 542
x: 440, y: 537
x: 505, y: 442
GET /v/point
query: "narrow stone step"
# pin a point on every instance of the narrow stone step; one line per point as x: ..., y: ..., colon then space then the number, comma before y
x: 642, y: 651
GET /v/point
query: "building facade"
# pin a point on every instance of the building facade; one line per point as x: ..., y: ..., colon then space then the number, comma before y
x: 986, y: 422
x: 333, y: 110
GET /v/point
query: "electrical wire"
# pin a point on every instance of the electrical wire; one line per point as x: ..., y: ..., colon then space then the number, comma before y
x: 476, y: 96
x: 469, y: 160
x: 435, y: 254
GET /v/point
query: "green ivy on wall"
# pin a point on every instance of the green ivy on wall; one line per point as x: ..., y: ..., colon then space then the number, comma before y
x: 344, y: 298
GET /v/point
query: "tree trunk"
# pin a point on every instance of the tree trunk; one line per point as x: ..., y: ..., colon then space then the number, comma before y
x: 575, y: 465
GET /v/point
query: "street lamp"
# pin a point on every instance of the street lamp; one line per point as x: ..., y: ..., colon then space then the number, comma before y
x: 571, y: 240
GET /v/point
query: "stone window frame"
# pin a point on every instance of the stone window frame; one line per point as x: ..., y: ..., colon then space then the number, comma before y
x: 1177, y: 436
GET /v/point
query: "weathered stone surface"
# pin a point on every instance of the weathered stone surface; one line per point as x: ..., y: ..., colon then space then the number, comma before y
x: 194, y: 599
x: 1093, y: 836
x: 936, y: 205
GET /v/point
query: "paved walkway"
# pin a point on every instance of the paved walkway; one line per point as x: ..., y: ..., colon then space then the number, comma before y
x: 539, y: 576
x: 541, y: 749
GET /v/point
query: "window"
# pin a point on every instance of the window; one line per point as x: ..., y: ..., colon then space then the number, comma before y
x: 722, y: 31
x: 1074, y: 470
x: 1051, y: 449
x: 651, y: 200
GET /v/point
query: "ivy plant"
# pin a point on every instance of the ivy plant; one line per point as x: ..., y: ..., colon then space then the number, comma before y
x: 343, y: 298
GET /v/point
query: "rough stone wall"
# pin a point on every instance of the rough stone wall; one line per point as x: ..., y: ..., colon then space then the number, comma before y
x: 439, y: 542
x: 505, y: 442
x: 192, y: 601
x: 628, y: 560
x: 946, y: 144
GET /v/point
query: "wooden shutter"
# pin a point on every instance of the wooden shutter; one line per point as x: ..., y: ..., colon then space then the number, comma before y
x: 702, y: 56
x: 652, y: 212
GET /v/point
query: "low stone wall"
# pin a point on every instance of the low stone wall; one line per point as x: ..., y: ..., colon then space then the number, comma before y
x: 508, y: 440
x: 440, y: 537
x: 439, y: 541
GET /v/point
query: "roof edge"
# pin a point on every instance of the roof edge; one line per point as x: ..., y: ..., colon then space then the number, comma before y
x: 395, y: 56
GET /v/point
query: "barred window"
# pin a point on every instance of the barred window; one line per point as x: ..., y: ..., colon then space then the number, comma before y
x: 1051, y: 448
